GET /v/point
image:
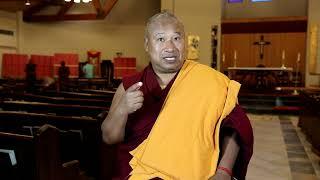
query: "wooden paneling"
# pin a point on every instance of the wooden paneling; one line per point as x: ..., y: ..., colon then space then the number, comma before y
x: 265, y: 25
x: 248, y: 53
x: 239, y: 43
x: 294, y: 43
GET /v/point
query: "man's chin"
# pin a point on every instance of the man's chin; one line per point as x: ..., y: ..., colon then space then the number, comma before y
x: 171, y: 69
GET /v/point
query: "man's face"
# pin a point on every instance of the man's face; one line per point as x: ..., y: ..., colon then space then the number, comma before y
x: 165, y: 44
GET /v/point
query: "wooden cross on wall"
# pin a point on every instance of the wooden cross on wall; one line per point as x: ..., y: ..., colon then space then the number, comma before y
x: 262, y: 43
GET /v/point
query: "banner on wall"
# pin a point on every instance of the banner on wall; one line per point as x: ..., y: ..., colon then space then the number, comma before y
x: 313, y: 50
x: 193, y: 47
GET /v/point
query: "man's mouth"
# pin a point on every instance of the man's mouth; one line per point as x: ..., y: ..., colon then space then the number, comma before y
x: 170, y: 58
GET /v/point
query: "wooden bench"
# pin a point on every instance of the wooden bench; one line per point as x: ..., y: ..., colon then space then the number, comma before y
x: 58, y: 109
x: 85, y: 134
x: 79, y: 95
x: 56, y: 100
x: 309, y: 120
x: 37, y: 157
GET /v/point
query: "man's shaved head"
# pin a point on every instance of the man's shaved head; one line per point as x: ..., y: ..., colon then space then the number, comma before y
x: 162, y: 17
x: 165, y: 43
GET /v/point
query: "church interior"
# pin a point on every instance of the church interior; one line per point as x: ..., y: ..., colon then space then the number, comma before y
x: 62, y: 60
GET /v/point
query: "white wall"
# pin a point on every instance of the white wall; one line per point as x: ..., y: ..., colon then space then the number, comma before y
x: 275, y: 8
x: 8, y: 43
x: 121, y: 31
x: 198, y: 18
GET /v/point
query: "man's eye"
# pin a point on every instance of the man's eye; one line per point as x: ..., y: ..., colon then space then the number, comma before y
x: 160, y: 39
x: 177, y: 38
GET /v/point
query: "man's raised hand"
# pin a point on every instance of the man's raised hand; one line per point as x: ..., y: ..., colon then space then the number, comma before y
x: 132, y: 100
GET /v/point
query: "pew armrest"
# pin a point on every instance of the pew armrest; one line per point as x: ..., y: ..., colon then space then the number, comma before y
x: 71, y: 170
x: 11, y: 154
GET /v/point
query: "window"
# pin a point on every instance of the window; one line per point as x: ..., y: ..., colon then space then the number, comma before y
x: 260, y: 0
x: 235, y: 1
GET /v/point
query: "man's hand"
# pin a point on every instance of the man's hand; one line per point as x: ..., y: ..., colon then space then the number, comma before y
x: 123, y: 104
x: 132, y: 100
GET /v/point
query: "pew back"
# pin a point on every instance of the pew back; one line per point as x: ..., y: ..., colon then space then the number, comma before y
x: 37, y: 157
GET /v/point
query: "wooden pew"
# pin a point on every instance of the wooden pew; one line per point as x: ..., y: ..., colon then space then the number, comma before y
x: 309, y: 120
x: 83, y: 143
x: 102, y: 92
x: 79, y: 95
x: 58, y: 109
x: 37, y: 157
x: 56, y: 100
x: 94, y: 83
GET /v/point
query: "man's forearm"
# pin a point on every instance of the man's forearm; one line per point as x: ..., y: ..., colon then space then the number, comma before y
x: 113, y: 127
x: 230, y: 150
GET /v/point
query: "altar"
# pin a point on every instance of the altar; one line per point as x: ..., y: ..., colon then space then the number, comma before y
x: 261, y: 78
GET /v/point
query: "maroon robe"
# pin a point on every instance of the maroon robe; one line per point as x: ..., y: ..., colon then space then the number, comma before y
x: 140, y: 123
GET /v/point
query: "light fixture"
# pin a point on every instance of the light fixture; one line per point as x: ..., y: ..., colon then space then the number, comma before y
x: 28, y: 3
x: 79, y: 1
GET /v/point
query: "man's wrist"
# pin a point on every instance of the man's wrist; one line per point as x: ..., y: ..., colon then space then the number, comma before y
x: 224, y: 170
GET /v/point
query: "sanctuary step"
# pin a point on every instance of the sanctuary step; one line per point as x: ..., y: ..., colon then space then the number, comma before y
x: 270, y: 102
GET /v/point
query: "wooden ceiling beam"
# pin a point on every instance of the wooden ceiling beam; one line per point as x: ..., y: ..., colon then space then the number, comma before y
x: 21, y: 1
x: 63, y: 10
x: 66, y: 17
x: 97, y: 6
x: 108, y: 6
x: 102, y: 12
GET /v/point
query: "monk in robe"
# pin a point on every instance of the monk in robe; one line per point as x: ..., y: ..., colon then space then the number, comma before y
x: 142, y: 100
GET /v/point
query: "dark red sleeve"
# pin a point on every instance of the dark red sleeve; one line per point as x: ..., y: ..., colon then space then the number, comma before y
x: 237, y: 121
x: 130, y: 80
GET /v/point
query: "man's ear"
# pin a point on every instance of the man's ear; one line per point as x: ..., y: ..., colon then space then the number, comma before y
x: 146, y: 44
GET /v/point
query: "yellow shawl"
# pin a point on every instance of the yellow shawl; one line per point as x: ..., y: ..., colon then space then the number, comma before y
x: 180, y: 144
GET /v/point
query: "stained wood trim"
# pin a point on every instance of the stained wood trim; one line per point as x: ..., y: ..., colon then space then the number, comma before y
x: 266, y: 19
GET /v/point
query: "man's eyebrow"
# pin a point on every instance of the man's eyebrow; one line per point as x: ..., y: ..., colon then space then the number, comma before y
x: 158, y: 33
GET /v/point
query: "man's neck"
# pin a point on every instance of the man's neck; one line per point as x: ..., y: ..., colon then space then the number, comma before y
x: 164, y: 79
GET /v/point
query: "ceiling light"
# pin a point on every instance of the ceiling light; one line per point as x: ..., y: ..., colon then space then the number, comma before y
x: 28, y: 3
x: 78, y: 1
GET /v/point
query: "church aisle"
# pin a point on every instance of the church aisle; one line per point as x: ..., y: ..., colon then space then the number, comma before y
x: 280, y: 150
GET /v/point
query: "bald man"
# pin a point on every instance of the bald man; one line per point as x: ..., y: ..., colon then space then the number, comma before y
x: 141, y: 98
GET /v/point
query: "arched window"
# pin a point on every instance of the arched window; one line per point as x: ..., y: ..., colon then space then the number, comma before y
x: 235, y: 1
x: 260, y: 0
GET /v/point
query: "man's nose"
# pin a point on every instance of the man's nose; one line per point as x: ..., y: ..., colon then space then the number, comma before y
x: 169, y: 46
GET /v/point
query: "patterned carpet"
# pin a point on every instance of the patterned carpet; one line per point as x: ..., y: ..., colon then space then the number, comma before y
x: 280, y: 150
